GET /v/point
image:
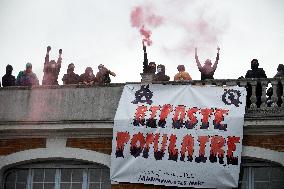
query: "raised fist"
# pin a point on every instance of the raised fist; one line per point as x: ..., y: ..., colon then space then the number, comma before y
x: 48, y: 48
x: 218, y: 48
x: 60, y: 51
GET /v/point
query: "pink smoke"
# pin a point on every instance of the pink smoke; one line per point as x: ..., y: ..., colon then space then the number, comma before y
x: 146, y: 36
x: 201, y: 32
x: 143, y: 18
x: 199, y: 24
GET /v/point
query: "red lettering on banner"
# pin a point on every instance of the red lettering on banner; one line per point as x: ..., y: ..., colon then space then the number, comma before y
x: 202, y: 145
x: 140, y: 116
x: 154, y: 110
x: 149, y: 141
x: 219, y: 117
x: 159, y: 154
x: 151, y: 122
x: 192, y: 118
x: 206, y: 113
x: 173, y: 152
x: 166, y: 110
x: 139, y: 144
x: 121, y: 139
x: 179, y: 117
x: 135, y: 149
x: 231, y: 148
x: 217, y: 144
x: 187, y: 146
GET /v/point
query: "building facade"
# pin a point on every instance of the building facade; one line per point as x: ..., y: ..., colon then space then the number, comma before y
x: 61, y: 137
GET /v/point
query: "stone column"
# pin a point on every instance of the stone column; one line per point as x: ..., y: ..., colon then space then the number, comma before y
x: 274, y: 97
x: 263, y: 95
x: 253, y: 94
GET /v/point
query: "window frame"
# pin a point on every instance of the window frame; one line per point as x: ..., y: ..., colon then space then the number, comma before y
x: 57, y: 177
x: 250, y: 168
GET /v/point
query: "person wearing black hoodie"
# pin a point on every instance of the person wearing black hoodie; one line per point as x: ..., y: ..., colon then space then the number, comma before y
x: 255, y: 72
x: 161, y: 76
x: 279, y: 89
x: 280, y: 71
x: 8, y: 79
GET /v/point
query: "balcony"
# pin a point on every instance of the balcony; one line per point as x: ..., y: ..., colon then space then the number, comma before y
x: 81, y: 108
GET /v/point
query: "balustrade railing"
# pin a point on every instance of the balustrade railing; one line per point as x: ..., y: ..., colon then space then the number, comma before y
x: 261, y: 93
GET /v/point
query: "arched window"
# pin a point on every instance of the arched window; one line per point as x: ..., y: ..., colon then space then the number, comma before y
x: 257, y: 174
x: 57, y: 175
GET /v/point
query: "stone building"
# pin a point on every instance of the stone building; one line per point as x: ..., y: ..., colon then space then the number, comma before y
x: 61, y: 136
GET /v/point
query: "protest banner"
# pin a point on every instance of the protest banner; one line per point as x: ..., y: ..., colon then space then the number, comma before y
x: 178, y: 135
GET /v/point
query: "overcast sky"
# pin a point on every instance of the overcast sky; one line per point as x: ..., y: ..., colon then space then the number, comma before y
x: 92, y: 32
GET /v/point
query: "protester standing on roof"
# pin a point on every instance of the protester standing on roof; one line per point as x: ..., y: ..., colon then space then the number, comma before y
x: 8, y: 79
x: 161, y: 74
x: 255, y: 72
x: 280, y: 71
x: 103, y: 74
x: 88, y: 78
x: 27, y: 77
x: 70, y: 77
x: 279, y: 89
x: 51, y: 69
x: 182, y: 75
x: 207, y: 71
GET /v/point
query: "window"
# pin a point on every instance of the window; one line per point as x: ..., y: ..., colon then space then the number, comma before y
x: 16, y: 179
x: 57, y: 176
x: 261, y: 175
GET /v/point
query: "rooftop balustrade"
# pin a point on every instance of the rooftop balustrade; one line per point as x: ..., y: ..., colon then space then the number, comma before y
x: 79, y: 105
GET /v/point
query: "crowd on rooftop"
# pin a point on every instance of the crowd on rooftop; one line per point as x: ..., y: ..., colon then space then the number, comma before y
x: 52, y: 68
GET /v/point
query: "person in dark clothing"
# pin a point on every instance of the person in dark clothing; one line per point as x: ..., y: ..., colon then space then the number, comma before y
x: 51, y: 69
x: 255, y: 72
x: 88, y: 78
x: 27, y: 77
x: 279, y: 89
x: 103, y: 74
x: 70, y: 77
x: 161, y: 75
x: 280, y: 71
x: 207, y: 71
x: 8, y: 79
x: 151, y: 68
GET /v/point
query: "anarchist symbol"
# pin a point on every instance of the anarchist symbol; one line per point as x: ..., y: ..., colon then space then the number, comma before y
x: 231, y: 96
x: 143, y: 95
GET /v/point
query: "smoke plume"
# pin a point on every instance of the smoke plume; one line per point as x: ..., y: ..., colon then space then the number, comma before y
x: 144, y: 19
x: 194, y: 24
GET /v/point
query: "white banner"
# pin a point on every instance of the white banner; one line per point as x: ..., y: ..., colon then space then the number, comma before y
x: 178, y: 135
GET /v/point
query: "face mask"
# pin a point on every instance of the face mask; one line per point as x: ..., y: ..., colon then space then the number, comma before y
x: 159, y: 70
